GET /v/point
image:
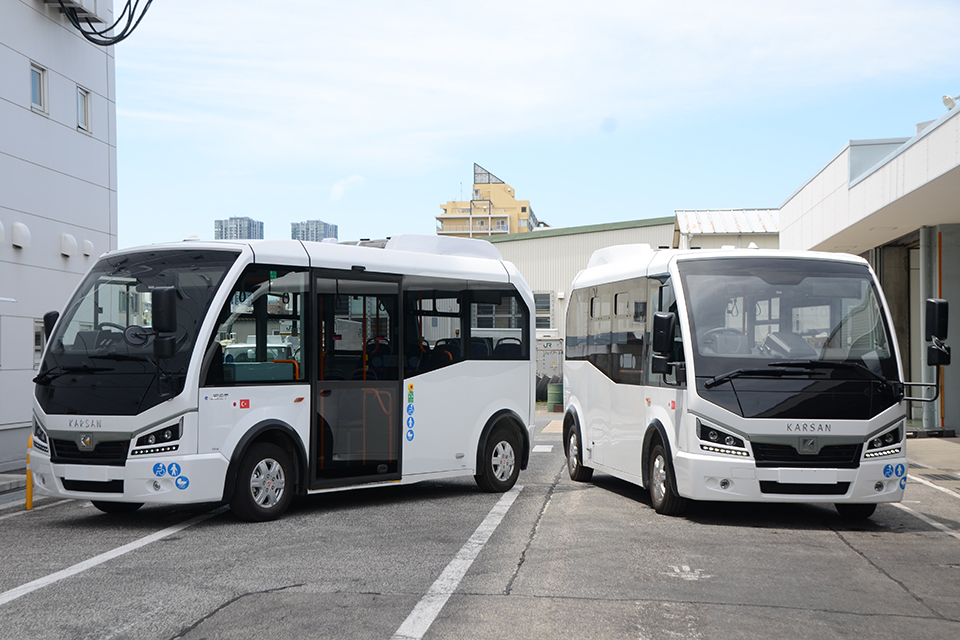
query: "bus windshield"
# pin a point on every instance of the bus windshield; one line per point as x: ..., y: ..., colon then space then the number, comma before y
x: 94, y: 365
x: 785, y: 317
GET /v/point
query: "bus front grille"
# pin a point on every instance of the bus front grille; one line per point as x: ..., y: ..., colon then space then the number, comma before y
x: 110, y: 452
x: 835, y: 456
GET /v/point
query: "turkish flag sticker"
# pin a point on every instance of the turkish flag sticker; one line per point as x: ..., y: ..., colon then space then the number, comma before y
x: 244, y: 404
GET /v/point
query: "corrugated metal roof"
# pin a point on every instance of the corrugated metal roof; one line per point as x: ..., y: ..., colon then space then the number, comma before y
x: 727, y: 221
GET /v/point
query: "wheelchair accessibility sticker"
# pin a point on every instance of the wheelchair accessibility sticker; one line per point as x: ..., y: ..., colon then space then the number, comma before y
x: 159, y: 470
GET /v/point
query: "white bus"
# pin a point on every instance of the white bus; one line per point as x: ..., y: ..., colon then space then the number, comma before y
x: 738, y: 375
x: 251, y: 371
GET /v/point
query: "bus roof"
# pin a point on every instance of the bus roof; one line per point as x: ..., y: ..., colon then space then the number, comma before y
x: 620, y: 262
x: 431, y: 256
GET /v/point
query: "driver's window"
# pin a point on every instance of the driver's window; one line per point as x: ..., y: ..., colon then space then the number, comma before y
x: 258, y: 337
x: 667, y: 301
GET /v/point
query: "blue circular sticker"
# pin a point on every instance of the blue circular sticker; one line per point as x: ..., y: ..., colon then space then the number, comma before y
x: 173, y: 469
x: 410, y: 422
x: 901, y: 470
x: 159, y: 469
x: 903, y: 482
x: 409, y: 409
x: 182, y: 483
x: 888, y: 471
x: 410, y: 435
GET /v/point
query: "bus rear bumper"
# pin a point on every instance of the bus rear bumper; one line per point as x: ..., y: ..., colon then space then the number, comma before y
x: 702, y: 477
x: 175, y: 479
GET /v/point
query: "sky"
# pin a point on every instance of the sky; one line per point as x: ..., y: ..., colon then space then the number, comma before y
x: 370, y: 114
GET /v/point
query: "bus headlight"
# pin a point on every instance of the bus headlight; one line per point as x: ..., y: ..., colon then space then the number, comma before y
x: 880, y: 445
x: 160, y: 440
x: 40, y: 440
x: 714, y: 440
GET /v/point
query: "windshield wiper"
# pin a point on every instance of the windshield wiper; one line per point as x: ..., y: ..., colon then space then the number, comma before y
x: 830, y: 364
x: 53, y: 373
x: 737, y: 373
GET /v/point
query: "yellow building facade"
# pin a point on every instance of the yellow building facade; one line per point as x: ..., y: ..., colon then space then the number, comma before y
x: 493, y: 210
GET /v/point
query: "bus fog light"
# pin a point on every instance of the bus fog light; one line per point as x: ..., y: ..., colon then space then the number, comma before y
x: 878, y: 487
x: 724, y: 484
x: 156, y: 485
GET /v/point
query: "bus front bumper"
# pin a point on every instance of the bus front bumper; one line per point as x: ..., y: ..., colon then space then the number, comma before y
x: 702, y: 477
x: 174, y: 479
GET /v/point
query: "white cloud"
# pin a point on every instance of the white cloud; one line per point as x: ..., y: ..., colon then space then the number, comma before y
x: 340, y: 186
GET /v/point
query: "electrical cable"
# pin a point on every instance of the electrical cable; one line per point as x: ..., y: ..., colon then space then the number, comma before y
x: 100, y: 37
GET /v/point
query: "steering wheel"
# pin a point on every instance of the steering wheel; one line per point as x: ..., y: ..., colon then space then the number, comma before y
x: 723, y: 340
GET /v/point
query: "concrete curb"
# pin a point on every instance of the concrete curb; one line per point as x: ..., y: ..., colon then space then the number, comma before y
x: 12, y: 482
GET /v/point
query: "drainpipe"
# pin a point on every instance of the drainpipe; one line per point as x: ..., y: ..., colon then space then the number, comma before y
x: 928, y: 274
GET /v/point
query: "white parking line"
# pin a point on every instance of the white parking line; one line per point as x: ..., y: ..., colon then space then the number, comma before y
x: 427, y: 610
x: 40, y: 508
x: 932, y: 523
x: 935, y: 486
x: 39, y: 583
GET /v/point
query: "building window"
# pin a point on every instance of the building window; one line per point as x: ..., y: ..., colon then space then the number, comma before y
x: 544, y: 312
x: 83, y: 109
x: 38, y: 88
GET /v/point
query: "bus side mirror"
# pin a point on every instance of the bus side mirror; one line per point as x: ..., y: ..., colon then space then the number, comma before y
x: 661, y: 364
x: 49, y: 320
x: 938, y: 355
x: 664, y: 332
x: 164, y: 309
x: 936, y: 320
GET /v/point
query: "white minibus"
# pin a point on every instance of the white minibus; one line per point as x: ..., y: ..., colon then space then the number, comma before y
x: 739, y: 375
x: 250, y: 371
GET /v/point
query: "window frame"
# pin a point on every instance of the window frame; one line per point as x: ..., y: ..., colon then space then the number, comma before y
x: 38, y: 88
x: 83, y: 110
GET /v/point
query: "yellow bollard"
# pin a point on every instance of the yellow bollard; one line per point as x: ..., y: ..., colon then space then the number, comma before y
x: 29, y: 475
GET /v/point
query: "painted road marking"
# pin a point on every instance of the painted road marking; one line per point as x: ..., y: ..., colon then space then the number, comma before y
x: 554, y: 426
x: 427, y: 610
x: 543, y: 448
x: 80, y: 567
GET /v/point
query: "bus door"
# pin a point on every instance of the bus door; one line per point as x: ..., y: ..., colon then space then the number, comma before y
x: 356, y: 427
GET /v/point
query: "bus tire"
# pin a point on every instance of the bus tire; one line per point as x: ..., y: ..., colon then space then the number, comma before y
x: 117, y: 507
x: 500, y: 462
x: 855, y: 511
x: 262, y: 492
x: 663, y: 496
x: 578, y: 473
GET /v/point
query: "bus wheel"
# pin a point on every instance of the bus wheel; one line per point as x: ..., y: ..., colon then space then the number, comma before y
x: 117, y: 507
x: 261, y: 493
x: 575, y: 467
x: 500, y: 465
x: 662, y: 495
x: 855, y: 511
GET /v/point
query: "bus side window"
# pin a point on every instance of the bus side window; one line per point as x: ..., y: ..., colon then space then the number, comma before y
x: 433, y: 337
x: 499, y: 326
x: 258, y: 337
x: 630, y: 321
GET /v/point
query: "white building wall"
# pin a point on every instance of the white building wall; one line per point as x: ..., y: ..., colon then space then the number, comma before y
x: 55, y: 179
